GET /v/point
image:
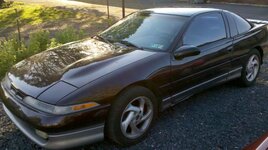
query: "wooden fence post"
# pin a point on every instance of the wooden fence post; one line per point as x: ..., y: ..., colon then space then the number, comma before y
x: 108, y: 11
x: 123, y: 8
x: 18, y: 28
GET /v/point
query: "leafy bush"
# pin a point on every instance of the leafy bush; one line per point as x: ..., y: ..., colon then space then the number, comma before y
x: 38, y: 41
x: 68, y: 35
x: 6, y: 61
x: 4, y: 4
x: 11, y: 51
x: 11, y: 44
x: 53, y: 43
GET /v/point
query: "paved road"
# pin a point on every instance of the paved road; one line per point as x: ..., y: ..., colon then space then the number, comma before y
x: 244, y: 10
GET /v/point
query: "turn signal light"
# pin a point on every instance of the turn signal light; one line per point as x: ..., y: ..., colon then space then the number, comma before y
x: 84, y: 106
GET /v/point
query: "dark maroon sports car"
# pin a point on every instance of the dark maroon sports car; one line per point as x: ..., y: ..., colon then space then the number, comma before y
x: 114, y: 84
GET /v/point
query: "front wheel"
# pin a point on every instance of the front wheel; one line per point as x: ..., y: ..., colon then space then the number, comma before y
x: 131, y: 116
x: 251, y: 69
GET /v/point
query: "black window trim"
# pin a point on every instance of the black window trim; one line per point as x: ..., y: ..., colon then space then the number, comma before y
x: 226, y: 24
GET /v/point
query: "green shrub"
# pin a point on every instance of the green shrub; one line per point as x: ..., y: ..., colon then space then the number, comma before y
x: 6, y: 61
x: 39, y: 41
x: 53, y: 43
x: 6, y: 5
x: 11, y: 44
x: 9, y: 52
x: 69, y: 34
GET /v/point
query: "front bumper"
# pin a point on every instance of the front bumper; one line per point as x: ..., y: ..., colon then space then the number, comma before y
x: 62, y: 131
x: 60, y: 140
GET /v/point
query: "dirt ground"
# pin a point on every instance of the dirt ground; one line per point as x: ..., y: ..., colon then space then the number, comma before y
x: 93, y: 20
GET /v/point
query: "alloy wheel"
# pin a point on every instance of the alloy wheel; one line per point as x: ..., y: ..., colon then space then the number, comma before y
x: 252, y: 68
x: 137, y: 117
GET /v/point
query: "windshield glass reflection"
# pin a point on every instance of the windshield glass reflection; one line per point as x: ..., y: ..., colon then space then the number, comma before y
x: 146, y: 30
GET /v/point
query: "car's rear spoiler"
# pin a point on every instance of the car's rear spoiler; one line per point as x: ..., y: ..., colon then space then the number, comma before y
x: 258, y: 21
x: 264, y: 45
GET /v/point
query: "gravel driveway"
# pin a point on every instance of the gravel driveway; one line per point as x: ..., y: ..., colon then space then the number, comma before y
x: 223, y: 117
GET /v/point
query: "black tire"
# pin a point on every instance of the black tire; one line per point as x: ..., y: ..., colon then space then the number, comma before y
x: 113, y: 128
x: 243, y: 80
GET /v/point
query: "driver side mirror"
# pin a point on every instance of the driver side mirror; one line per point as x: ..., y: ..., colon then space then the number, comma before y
x: 186, y: 51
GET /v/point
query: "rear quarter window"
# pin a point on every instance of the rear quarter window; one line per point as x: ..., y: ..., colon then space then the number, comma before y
x: 241, y: 24
x: 232, y: 24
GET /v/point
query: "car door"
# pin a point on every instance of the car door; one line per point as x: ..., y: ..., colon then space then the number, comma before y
x: 208, y: 33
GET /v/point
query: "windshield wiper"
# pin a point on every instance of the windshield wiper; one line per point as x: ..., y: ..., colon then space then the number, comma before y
x: 103, y: 39
x: 127, y: 43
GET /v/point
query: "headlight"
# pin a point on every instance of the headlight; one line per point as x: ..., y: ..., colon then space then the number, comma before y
x: 57, y: 110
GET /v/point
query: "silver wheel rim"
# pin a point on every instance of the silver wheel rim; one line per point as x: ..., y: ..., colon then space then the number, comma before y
x: 137, y: 117
x: 252, y: 68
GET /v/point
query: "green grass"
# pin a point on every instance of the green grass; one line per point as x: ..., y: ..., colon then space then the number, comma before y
x: 32, y: 14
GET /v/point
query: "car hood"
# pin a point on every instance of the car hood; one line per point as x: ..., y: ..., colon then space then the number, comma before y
x: 76, y: 64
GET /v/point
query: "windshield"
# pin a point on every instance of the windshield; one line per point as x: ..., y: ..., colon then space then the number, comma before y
x: 145, y: 30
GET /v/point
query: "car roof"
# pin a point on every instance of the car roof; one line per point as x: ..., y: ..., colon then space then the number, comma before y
x: 182, y: 11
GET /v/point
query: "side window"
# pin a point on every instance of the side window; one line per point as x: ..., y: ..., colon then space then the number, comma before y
x: 232, y: 24
x: 204, y: 29
x: 241, y: 23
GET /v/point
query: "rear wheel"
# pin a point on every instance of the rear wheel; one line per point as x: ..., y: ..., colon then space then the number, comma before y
x: 131, y: 116
x: 251, y: 69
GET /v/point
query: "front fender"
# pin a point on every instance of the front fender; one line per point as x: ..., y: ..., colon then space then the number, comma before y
x: 154, y: 70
